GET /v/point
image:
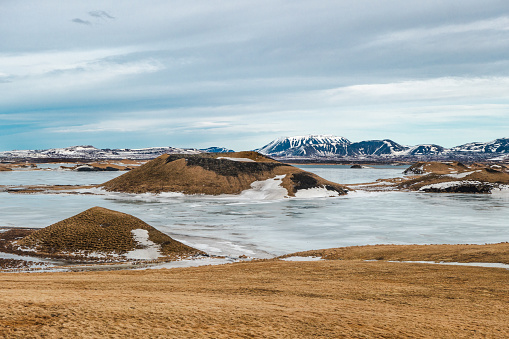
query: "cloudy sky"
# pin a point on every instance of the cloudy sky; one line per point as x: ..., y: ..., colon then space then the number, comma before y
x: 241, y: 73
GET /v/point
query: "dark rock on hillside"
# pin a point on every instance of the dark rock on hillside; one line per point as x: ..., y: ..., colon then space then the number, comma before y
x: 461, y: 187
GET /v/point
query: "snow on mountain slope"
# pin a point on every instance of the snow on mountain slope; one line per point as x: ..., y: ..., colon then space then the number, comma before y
x: 92, y: 153
x: 301, y: 145
x: 426, y: 150
x: 217, y: 150
x: 496, y: 146
x: 319, y: 146
x: 375, y: 147
x: 327, y: 145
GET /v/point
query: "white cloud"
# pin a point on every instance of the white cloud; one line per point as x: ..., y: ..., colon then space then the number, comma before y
x: 37, y: 63
x: 500, y: 24
x: 418, y: 90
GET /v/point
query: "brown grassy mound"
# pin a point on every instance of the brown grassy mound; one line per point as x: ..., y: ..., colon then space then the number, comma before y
x: 489, y: 253
x: 99, y: 230
x: 271, y: 299
x: 209, y: 174
x: 436, y: 167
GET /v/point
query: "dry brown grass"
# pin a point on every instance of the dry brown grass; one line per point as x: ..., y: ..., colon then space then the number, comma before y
x: 205, y: 174
x: 99, y: 230
x: 489, y: 253
x: 437, y: 167
x: 271, y: 299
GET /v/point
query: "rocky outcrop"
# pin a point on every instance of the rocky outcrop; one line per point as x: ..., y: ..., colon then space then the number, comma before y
x: 455, y: 177
x: 436, y: 167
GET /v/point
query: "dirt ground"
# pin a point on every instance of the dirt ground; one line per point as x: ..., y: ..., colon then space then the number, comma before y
x: 263, y: 299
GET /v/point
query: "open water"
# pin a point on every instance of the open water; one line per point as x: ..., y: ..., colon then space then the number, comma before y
x: 232, y: 226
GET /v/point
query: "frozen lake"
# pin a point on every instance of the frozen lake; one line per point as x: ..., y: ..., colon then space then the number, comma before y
x: 264, y: 228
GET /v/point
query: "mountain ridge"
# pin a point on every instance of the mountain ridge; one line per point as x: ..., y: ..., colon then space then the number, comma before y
x: 88, y: 152
x: 298, y: 148
x: 312, y: 146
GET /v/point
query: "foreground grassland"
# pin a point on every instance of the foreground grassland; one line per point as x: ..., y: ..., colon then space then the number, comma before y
x: 264, y: 299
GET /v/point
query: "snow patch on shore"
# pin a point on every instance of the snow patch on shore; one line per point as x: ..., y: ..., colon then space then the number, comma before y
x: 296, y: 258
x: 195, y: 262
x: 269, y: 189
x: 150, y: 250
x: 316, y: 192
x: 501, y: 190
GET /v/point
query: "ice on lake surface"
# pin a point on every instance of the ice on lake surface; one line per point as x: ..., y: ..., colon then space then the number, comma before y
x: 234, y: 226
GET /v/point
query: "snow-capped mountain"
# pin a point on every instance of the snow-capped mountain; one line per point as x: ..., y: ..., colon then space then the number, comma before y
x: 309, y: 145
x: 496, y: 146
x: 216, y: 150
x: 332, y: 147
x: 375, y: 147
x: 426, y: 150
x: 93, y: 153
x: 327, y: 146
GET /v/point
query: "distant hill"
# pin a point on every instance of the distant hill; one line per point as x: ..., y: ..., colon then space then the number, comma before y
x: 214, y: 174
x: 327, y: 147
x: 92, y: 153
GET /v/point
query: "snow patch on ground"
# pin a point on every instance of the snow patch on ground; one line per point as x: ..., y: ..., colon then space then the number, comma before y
x: 303, y: 259
x: 150, y: 250
x: 195, y: 262
x: 315, y: 192
x: 502, y: 190
x: 205, y: 248
x: 4, y: 255
x: 269, y: 189
x: 461, y: 175
x: 237, y: 159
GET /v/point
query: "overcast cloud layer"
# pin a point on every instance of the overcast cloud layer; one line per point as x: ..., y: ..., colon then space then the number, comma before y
x: 241, y: 73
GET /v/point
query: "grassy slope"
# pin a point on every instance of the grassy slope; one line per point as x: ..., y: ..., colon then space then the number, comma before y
x: 270, y: 299
x: 102, y: 230
x: 205, y: 174
x: 490, y: 253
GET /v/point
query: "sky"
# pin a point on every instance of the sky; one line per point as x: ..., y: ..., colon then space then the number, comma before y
x: 238, y: 74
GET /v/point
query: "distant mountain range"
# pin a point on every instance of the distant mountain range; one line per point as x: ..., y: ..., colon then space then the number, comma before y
x: 92, y: 153
x: 320, y: 148
x: 327, y: 147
